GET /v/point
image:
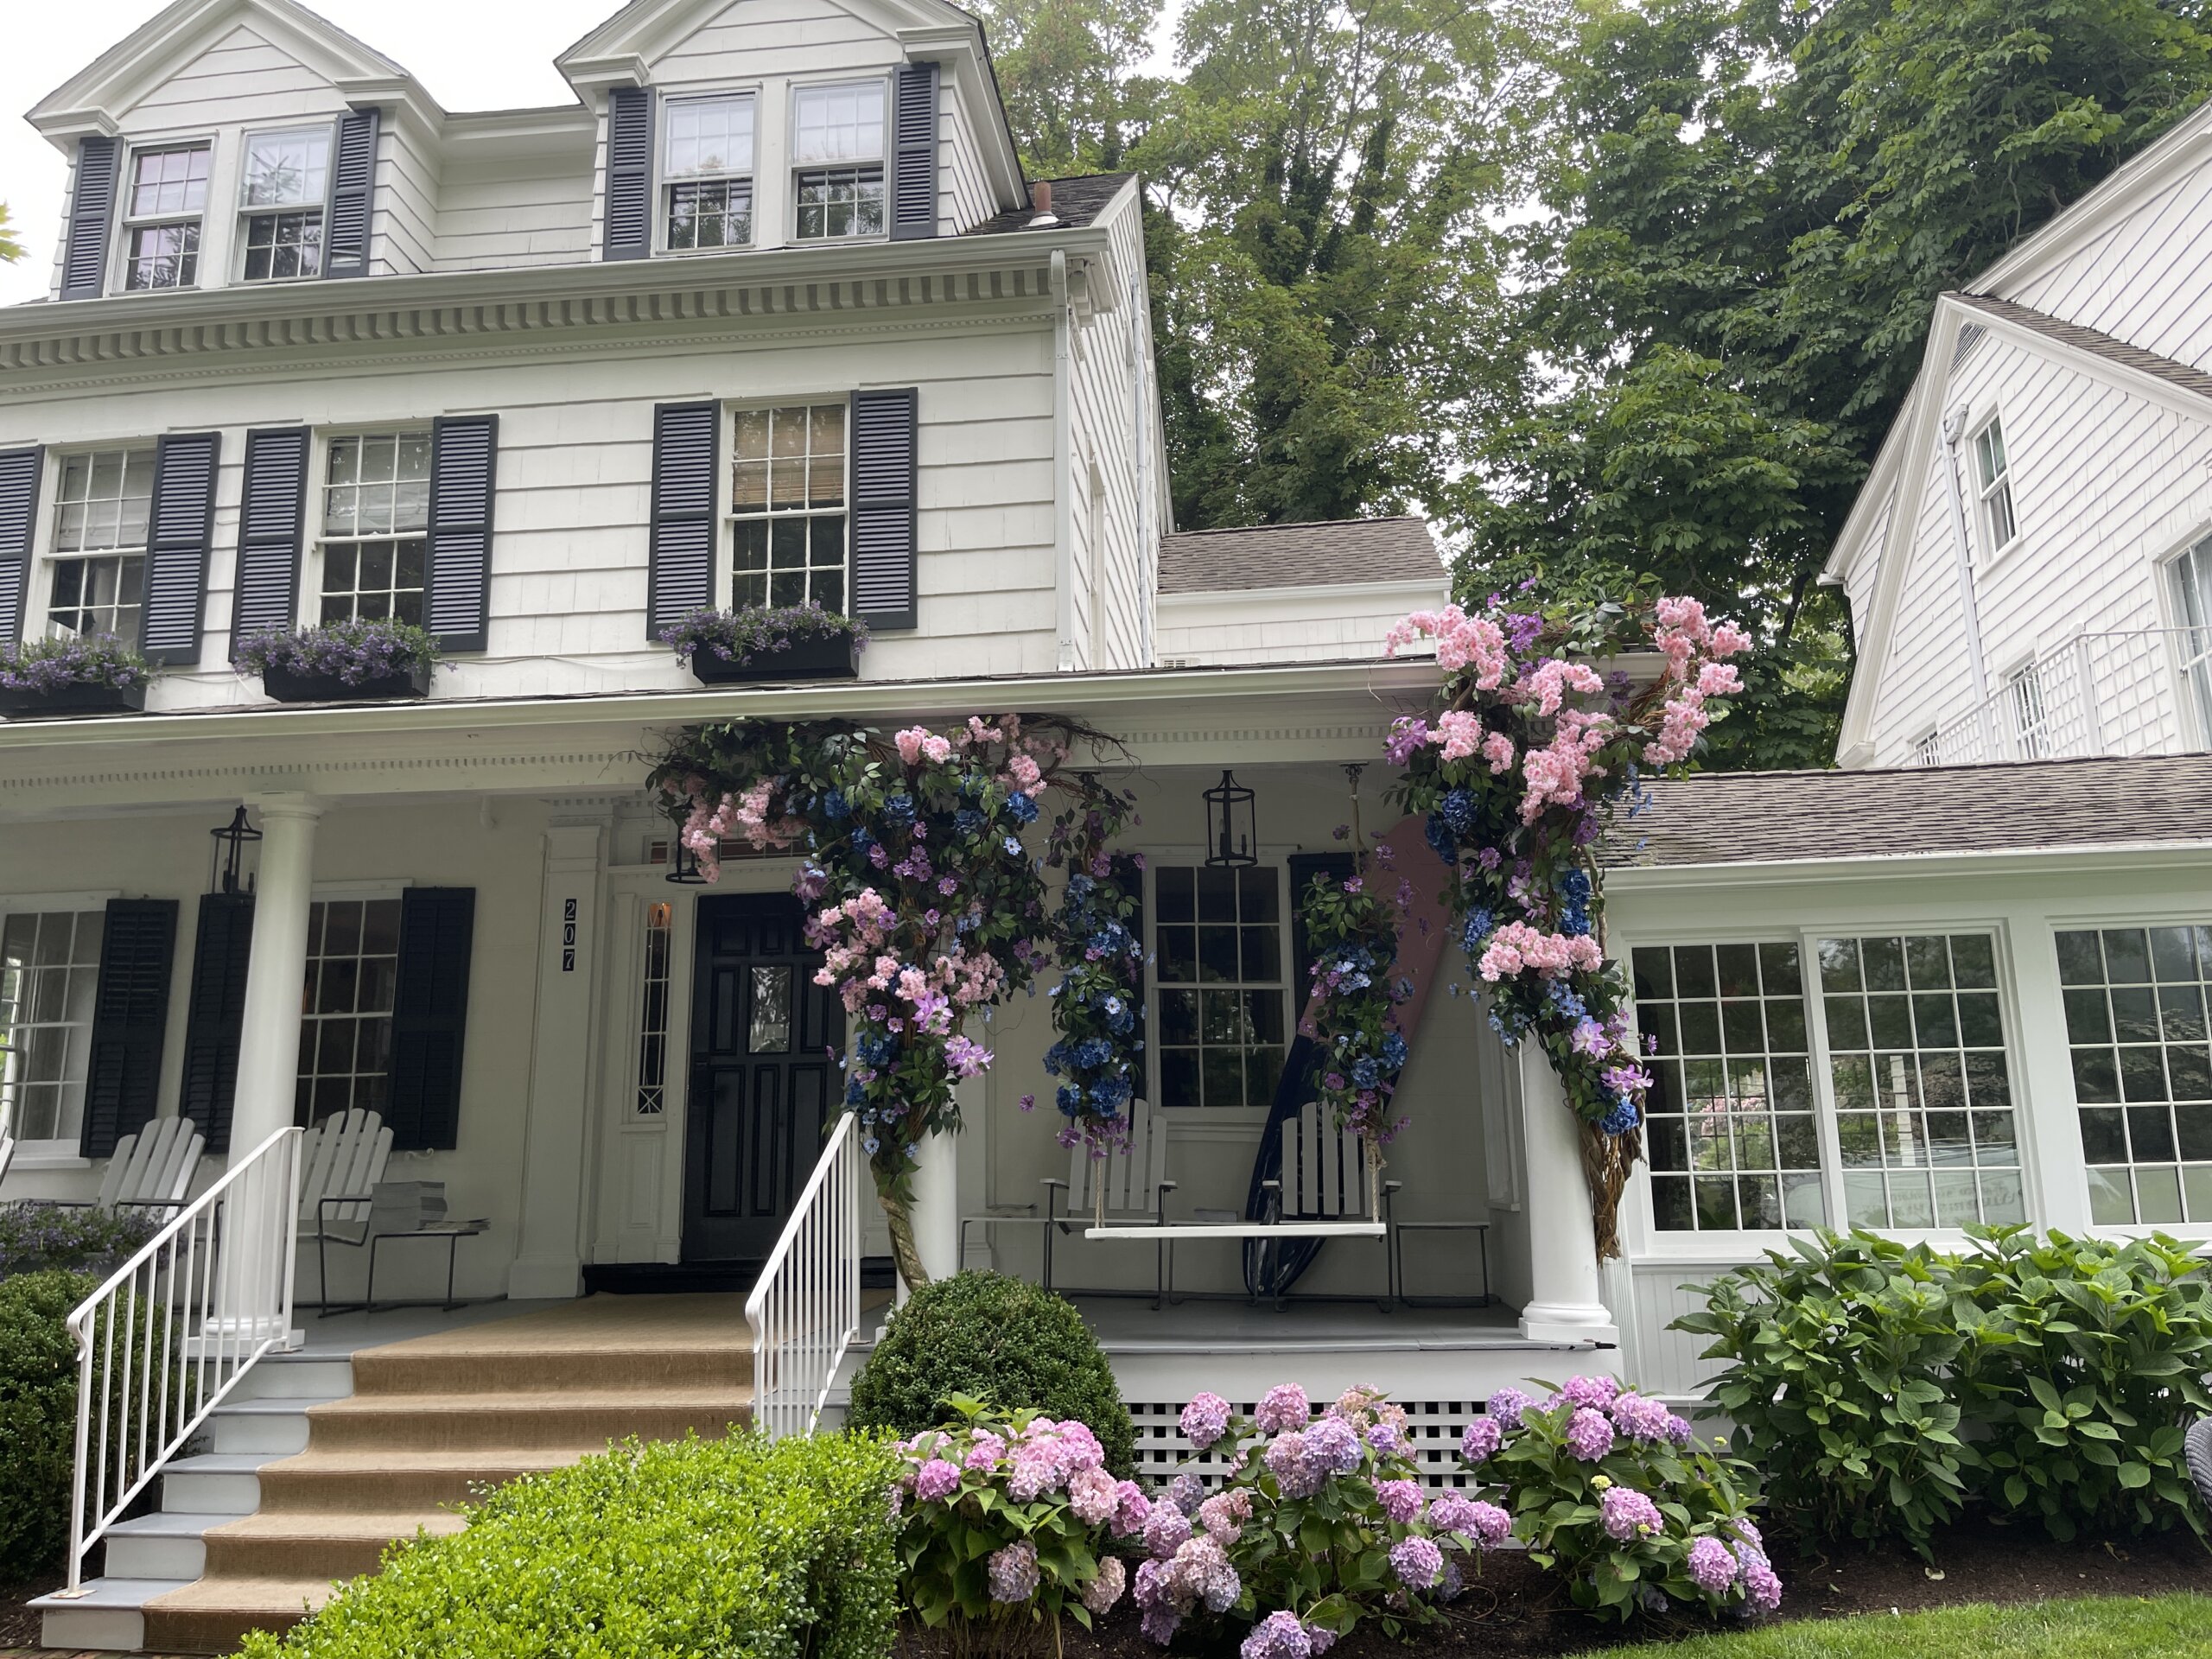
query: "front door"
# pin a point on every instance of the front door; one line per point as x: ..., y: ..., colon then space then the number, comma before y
x: 763, y: 1083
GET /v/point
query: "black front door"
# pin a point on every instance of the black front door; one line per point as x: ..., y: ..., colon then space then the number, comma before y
x: 763, y: 1084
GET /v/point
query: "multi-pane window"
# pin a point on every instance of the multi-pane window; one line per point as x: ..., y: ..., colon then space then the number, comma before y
x: 1922, y: 1084
x: 2192, y: 591
x: 2030, y: 713
x: 287, y: 180
x: 49, y: 975
x: 376, y: 514
x: 1993, y: 477
x: 1730, y: 1129
x: 1218, y: 936
x: 165, y: 199
x: 652, y: 1013
x: 346, y: 1026
x: 98, y: 571
x: 2142, y: 1073
x: 707, y: 163
x: 838, y: 158
x: 787, y: 498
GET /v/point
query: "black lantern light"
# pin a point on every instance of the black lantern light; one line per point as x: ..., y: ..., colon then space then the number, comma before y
x: 1232, y: 828
x: 226, y: 871
x: 683, y: 865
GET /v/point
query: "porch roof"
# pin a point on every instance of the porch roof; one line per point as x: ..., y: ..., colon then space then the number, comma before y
x: 1778, y: 817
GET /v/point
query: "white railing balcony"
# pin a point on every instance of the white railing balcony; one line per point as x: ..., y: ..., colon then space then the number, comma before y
x: 2141, y: 691
x: 805, y: 1309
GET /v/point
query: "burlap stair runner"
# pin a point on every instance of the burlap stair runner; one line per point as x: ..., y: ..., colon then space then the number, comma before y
x: 433, y: 1421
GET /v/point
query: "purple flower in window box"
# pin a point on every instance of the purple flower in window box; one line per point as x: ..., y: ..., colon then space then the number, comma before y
x: 339, y: 662
x: 789, y: 642
x: 80, y: 674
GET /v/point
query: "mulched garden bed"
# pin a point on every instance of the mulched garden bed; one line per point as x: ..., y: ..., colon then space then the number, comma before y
x: 1514, y: 1612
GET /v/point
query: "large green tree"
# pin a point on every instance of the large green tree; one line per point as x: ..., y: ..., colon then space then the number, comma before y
x: 10, y: 249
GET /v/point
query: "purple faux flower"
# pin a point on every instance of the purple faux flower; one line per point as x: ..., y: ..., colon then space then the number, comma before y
x: 1285, y: 1406
x: 1417, y: 1561
x: 1589, y: 1433
x: 1626, y: 1514
x: 1711, y: 1567
x: 50, y: 664
x: 1012, y: 1571
x: 937, y: 1480
x: 1480, y: 1440
x: 1278, y: 1636
x: 1205, y: 1420
x: 1401, y: 1499
x: 1505, y: 1408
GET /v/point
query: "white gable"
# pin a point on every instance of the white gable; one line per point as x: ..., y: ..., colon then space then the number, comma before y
x: 241, y: 71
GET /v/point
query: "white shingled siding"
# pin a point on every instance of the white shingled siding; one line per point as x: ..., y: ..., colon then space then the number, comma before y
x: 2142, y: 280
x: 506, y: 209
x: 1290, y: 625
x: 402, y: 229
x: 963, y: 195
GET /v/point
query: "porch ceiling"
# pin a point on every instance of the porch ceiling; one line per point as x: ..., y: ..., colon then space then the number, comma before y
x: 442, y: 747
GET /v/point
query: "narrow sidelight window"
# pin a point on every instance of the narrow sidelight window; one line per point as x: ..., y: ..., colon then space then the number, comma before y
x: 98, y: 578
x: 1222, y: 1023
x: 837, y: 153
x: 787, y: 500
x: 653, y: 1013
x: 345, y: 1033
x: 162, y: 213
x: 376, y: 514
x: 707, y: 164
x: 287, y: 185
x: 1993, y: 475
x: 49, y: 976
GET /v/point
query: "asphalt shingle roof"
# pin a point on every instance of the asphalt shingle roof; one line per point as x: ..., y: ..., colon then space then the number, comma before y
x: 1723, y: 818
x: 2096, y: 341
x: 1076, y: 202
x: 1338, y: 550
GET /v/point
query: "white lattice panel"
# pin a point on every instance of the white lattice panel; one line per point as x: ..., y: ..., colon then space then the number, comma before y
x: 1435, y: 1426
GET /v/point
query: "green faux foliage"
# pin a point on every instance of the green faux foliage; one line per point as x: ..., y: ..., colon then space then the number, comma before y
x: 1886, y: 1387
x: 38, y: 1419
x: 688, y: 1550
x: 994, y: 1339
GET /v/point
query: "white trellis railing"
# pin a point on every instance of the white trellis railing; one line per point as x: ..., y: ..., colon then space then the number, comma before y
x: 806, y: 1310
x: 2130, y: 692
x: 169, y: 1336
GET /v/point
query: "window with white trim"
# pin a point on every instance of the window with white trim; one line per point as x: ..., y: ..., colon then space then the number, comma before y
x: 346, y: 1021
x: 787, y: 507
x: 837, y: 141
x: 1730, y: 1131
x: 1928, y: 749
x: 375, y: 517
x: 97, y: 572
x: 163, y: 205
x: 1222, y: 999
x: 652, y: 1013
x: 2135, y: 1022
x: 2191, y: 578
x: 707, y: 169
x: 286, y: 185
x: 1994, y: 479
x: 2031, y: 712
x: 49, y: 980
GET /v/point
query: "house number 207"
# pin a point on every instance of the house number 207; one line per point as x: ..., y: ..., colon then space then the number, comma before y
x: 567, y: 936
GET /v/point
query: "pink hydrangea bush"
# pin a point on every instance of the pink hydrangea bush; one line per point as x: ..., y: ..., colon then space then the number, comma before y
x: 1321, y: 1522
x: 1615, y: 1490
x: 1009, y: 1515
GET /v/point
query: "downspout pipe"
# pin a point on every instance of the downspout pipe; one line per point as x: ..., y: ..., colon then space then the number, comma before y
x: 1063, y: 470
x: 1969, y: 608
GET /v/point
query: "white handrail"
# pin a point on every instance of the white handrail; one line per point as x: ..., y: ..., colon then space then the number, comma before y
x: 169, y: 1336
x: 805, y: 1309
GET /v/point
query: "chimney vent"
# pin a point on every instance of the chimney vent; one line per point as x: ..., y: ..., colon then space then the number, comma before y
x: 1040, y: 197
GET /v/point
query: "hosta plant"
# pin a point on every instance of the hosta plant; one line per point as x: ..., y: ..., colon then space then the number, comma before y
x: 53, y: 665
x: 1008, y: 1514
x: 1611, y: 1489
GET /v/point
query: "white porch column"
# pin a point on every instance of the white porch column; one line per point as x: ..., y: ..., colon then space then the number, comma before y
x: 276, y: 971
x: 549, y: 1255
x: 1566, y: 1301
x: 937, y: 1206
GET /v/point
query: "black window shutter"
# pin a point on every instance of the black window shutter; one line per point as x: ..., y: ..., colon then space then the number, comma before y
x: 353, y: 193
x: 464, y: 467
x: 680, y: 558
x: 883, y: 508
x: 130, y: 1014
x: 913, y: 140
x: 429, y: 1017
x: 176, y: 550
x: 19, y: 477
x: 92, y: 215
x: 272, y: 512
x: 215, y: 1013
x: 628, y: 230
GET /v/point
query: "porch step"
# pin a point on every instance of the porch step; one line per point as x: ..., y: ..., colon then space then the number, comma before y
x: 109, y: 1616
x: 215, y: 1483
x: 322, y: 1548
x: 538, y: 1419
x: 165, y: 1545
x: 275, y: 1424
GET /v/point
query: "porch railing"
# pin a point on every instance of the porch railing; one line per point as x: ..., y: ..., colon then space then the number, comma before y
x: 806, y: 1310
x: 169, y: 1336
x: 2140, y: 691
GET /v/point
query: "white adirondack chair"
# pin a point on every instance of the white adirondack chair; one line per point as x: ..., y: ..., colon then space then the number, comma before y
x: 341, y: 1166
x: 1132, y: 1180
x: 152, y: 1169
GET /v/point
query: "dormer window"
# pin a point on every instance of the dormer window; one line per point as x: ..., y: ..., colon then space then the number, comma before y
x: 837, y: 161
x: 162, y: 215
x: 707, y: 160
x: 1993, y: 475
x: 287, y: 187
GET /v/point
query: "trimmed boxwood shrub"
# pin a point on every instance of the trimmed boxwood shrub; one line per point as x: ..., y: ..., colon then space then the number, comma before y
x: 997, y: 1339
x: 775, y: 1550
x: 38, y: 1417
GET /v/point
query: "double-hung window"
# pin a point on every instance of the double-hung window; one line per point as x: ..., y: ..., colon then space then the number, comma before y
x: 1994, y: 477
x: 837, y: 161
x: 376, y: 515
x: 2192, y: 596
x: 97, y: 575
x: 163, y: 205
x: 787, y: 504
x: 345, y: 1025
x: 1222, y: 998
x: 287, y: 183
x: 49, y: 977
x: 707, y: 162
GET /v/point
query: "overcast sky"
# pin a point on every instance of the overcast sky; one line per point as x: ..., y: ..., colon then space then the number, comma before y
x: 472, y: 54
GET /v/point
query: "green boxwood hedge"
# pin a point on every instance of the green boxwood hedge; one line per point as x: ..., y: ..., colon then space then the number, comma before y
x: 666, y: 1550
x: 38, y: 1417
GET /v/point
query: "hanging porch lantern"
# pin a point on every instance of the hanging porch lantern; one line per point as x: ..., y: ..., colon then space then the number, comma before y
x: 1232, y: 827
x: 683, y: 865
x: 227, y: 874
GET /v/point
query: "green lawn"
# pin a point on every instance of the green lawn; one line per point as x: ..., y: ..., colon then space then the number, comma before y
x: 2171, y: 1627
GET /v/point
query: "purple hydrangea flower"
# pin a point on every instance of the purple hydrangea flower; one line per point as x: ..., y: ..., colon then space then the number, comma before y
x: 1103, y: 1591
x: 1626, y: 1514
x: 1285, y: 1407
x: 1131, y: 1507
x: 1597, y: 1391
x: 1640, y: 1417
x: 1278, y: 1636
x: 1505, y: 1408
x: 1485, y: 1524
x: 1417, y: 1561
x: 1711, y: 1567
x: 1205, y: 1420
x: 1387, y: 1437
x: 1186, y: 1491
x: 1012, y: 1571
x: 1323, y: 1638
x: 1589, y: 1433
x: 1165, y: 1530
x: 1679, y: 1431
x: 1332, y: 1447
x: 1160, y: 1623
x: 1480, y: 1440
x: 937, y: 1480
x: 1224, y: 1514
x: 1761, y: 1587
x: 1401, y: 1499
x: 1092, y: 1495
